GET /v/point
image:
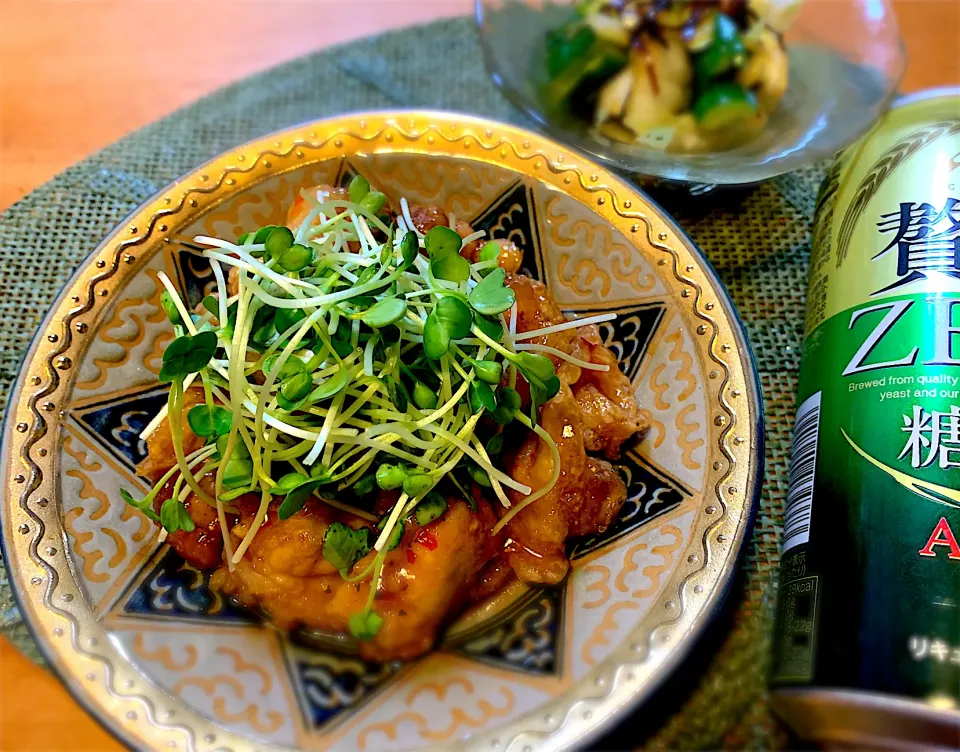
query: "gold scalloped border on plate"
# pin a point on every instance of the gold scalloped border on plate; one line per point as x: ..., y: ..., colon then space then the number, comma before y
x: 52, y: 603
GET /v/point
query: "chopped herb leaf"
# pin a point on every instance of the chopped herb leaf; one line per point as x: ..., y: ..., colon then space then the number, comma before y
x: 343, y: 546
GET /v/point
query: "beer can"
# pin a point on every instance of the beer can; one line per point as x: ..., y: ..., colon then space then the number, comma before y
x: 867, y: 637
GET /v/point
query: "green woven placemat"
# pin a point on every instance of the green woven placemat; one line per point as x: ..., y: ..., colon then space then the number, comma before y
x: 758, y: 241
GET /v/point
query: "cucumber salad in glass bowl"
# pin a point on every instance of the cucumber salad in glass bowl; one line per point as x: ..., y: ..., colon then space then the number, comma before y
x: 687, y: 77
x: 698, y: 91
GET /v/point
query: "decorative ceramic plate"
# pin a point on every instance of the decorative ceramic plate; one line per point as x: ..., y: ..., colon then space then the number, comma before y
x: 166, y: 663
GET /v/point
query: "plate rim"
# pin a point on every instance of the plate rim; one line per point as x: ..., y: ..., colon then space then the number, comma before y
x: 535, y: 145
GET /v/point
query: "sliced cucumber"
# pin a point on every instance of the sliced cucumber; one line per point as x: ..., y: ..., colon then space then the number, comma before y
x: 723, y: 105
x: 727, y: 50
x: 591, y: 69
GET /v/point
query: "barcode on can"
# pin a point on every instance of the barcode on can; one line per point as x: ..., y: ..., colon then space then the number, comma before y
x: 803, y: 468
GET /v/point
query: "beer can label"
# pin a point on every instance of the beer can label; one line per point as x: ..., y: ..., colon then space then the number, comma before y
x: 869, y: 594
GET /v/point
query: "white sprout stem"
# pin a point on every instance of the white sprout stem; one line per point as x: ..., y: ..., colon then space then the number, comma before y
x: 494, y: 483
x: 222, y: 307
x: 485, y: 464
x: 161, y: 415
x: 328, y: 424
x: 391, y: 522
x: 571, y: 324
x: 564, y: 356
x: 540, y: 493
x: 181, y: 308
x: 250, y: 264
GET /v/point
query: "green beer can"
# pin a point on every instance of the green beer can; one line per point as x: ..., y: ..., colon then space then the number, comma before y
x: 867, y: 642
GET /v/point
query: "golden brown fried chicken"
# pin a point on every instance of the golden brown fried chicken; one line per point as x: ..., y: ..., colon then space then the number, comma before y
x: 594, y: 411
x: 426, y: 579
x: 586, y: 498
x: 608, y: 404
x: 202, y: 547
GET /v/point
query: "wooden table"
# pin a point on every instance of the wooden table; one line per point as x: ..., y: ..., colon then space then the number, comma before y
x: 77, y: 75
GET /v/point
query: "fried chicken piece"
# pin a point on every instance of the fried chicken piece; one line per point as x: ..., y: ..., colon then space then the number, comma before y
x: 594, y: 411
x: 537, y: 310
x: 586, y: 499
x: 202, y: 547
x: 607, y: 400
x: 425, y: 218
x: 299, y: 209
x: 608, y: 405
x: 426, y: 579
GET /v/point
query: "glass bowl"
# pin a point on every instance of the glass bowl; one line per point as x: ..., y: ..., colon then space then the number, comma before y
x: 845, y: 61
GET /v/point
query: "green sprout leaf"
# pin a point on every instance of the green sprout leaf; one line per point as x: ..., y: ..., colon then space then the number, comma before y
x: 294, y: 389
x: 488, y: 370
x: 490, y: 326
x: 287, y: 317
x: 341, y: 341
x: 495, y: 445
x: 365, y: 625
x: 452, y: 267
x: 368, y: 273
x: 388, y: 311
x: 442, y: 241
x: 145, y: 504
x: 359, y: 187
x: 397, y: 391
x: 424, y: 397
x: 209, y: 303
x: 396, y: 535
x: 443, y: 245
x: 261, y: 235
x: 331, y: 386
x: 170, y: 308
x: 373, y: 202
x: 430, y: 508
x: 186, y: 355
x: 237, y: 473
x: 454, y: 315
x: 534, y: 366
x: 490, y: 251
x: 508, y: 402
x: 416, y: 484
x: 278, y: 242
x: 365, y: 486
x: 539, y: 372
x: 436, y: 339
x: 409, y: 248
x: 288, y: 483
x: 390, y: 477
x: 174, y: 517
x: 296, y: 258
x: 343, y: 546
x: 479, y: 475
x: 239, y: 448
x: 482, y: 397
x: 209, y: 422
x: 297, y: 497
x: 490, y: 296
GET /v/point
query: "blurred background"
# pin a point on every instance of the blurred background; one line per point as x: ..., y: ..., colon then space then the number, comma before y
x: 75, y: 75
